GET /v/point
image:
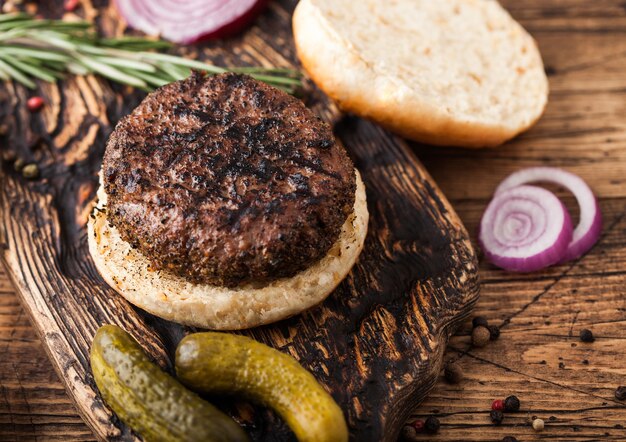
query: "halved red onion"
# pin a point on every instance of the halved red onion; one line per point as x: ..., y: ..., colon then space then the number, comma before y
x: 589, y: 228
x: 187, y: 21
x: 524, y: 229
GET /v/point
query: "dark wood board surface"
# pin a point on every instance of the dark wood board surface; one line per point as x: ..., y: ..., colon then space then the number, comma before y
x: 377, y: 343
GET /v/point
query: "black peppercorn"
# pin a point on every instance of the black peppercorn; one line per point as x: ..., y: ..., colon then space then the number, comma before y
x: 408, y: 434
x: 509, y: 439
x: 494, y: 332
x: 479, y: 320
x: 496, y: 417
x: 620, y: 394
x: 453, y: 373
x: 432, y: 425
x: 511, y: 403
x: 9, y: 156
x: 586, y: 335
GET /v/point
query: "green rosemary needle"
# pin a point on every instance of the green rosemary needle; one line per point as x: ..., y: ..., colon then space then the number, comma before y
x: 47, y: 50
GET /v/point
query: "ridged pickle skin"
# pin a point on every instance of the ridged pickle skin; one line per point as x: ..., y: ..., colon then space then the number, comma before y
x: 151, y: 401
x: 219, y: 363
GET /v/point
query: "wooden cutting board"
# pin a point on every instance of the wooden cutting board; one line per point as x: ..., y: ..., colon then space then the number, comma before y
x: 376, y: 343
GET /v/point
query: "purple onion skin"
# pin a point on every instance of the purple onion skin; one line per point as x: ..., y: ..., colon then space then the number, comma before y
x: 576, y: 186
x: 233, y: 28
x: 588, y: 240
x: 539, y: 261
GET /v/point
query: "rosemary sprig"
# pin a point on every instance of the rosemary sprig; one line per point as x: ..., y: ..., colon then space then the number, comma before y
x: 44, y: 49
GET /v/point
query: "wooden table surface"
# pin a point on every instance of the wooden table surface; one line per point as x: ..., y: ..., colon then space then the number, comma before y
x: 538, y: 357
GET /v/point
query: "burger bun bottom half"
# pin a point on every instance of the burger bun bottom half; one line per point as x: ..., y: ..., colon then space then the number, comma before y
x: 222, y: 308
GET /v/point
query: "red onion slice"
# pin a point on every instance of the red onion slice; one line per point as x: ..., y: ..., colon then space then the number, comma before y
x: 524, y: 229
x: 187, y: 21
x: 589, y: 228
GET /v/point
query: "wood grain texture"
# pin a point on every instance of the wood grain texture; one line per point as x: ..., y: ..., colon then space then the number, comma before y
x: 539, y: 356
x: 376, y: 343
x: 584, y: 130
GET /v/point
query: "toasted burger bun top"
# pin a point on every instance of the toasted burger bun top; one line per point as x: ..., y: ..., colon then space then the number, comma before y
x: 446, y: 72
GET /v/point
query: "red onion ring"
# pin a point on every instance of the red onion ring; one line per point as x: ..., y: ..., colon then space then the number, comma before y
x: 525, y: 228
x: 589, y: 228
x: 188, y: 21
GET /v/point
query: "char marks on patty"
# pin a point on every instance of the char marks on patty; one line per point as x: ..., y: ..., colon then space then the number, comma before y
x: 226, y: 180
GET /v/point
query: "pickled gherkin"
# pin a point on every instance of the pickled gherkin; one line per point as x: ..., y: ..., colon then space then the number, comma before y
x: 150, y: 401
x: 219, y: 363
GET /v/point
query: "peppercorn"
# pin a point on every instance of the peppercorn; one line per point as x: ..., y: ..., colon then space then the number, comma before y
x: 498, y: 405
x: 34, y: 103
x: 586, y: 335
x: 509, y: 439
x: 9, y: 156
x: 480, y: 320
x: 30, y: 171
x: 620, y: 393
x: 18, y: 165
x: 538, y: 425
x: 418, y: 425
x: 9, y: 7
x: 511, y: 404
x: 432, y: 425
x: 408, y: 434
x: 70, y: 5
x: 480, y: 336
x: 453, y: 373
x: 496, y: 417
x: 494, y: 332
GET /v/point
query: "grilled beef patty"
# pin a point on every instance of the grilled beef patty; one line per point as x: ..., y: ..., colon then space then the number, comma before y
x: 226, y: 180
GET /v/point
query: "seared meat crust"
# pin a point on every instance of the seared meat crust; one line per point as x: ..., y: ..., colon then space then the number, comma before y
x: 226, y: 180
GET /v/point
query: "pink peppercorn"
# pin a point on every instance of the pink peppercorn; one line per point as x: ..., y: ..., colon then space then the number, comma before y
x: 498, y: 405
x: 70, y: 5
x: 34, y: 103
x: 418, y: 425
